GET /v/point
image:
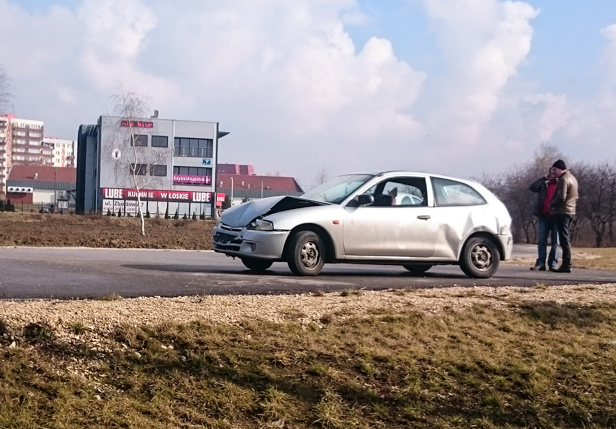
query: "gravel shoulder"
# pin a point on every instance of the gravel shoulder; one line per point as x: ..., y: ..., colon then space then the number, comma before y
x: 96, y: 319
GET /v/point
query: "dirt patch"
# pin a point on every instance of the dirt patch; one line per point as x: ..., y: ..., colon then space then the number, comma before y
x: 103, y: 231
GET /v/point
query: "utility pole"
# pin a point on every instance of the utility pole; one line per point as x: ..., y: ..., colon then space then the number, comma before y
x: 55, y: 190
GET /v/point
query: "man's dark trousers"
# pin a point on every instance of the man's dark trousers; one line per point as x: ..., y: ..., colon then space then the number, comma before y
x: 563, y: 225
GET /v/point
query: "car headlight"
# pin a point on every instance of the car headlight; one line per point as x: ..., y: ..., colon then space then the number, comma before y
x: 261, y: 225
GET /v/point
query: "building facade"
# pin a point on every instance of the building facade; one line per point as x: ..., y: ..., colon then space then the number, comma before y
x: 21, y: 143
x: 44, y: 185
x: 64, y: 151
x: 167, y: 164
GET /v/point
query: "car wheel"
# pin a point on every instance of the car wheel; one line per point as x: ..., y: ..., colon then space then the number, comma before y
x: 480, y: 258
x: 417, y: 268
x: 255, y: 264
x: 306, y: 257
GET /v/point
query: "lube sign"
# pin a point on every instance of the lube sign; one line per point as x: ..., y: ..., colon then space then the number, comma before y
x: 157, y: 195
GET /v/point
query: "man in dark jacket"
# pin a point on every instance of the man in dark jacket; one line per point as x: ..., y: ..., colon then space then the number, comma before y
x: 545, y: 187
x: 562, y: 206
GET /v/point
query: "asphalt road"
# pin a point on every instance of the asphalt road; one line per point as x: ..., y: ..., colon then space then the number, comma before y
x: 39, y: 272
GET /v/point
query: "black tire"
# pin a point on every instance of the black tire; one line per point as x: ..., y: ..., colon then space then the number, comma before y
x: 480, y: 258
x: 417, y: 268
x: 306, y: 254
x: 255, y: 264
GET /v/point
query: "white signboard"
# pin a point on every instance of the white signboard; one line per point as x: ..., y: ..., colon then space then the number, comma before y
x: 125, y: 206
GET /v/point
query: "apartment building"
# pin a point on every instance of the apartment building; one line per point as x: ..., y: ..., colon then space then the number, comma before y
x: 64, y: 151
x: 21, y: 143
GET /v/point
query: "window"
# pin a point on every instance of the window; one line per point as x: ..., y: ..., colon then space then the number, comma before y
x: 199, y: 148
x: 451, y: 193
x: 400, y: 191
x: 158, y: 170
x: 160, y: 141
x: 192, y: 171
x: 192, y: 175
x: 139, y: 140
x: 138, y: 169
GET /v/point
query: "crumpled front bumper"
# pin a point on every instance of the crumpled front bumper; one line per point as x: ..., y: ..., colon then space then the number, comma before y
x: 249, y: 243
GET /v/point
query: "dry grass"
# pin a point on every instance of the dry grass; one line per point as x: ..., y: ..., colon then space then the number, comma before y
x: 541, y: 365
x: 583, y: 257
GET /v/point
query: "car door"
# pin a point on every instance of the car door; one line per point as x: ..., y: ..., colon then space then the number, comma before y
x: 386, y: 229
x: 458, y: 211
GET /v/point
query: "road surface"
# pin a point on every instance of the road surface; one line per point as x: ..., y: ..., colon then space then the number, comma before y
x: 43, y: 272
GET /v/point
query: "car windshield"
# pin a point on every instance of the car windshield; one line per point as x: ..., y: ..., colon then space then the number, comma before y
x: 337, y: 190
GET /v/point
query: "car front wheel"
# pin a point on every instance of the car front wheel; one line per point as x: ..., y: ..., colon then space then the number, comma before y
x: 255, y: 264
x: 306, y: 254
x: 480, y: 258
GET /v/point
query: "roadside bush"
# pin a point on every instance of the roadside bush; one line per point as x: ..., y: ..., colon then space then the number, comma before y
x: 176, y: 216
x: 167, y: 213
x: 194, y: 216
x: 202, y: 216
x: 1, y: 205
x: 108, y: 212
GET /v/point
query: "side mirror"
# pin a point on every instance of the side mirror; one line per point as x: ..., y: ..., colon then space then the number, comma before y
x: 365, y: 199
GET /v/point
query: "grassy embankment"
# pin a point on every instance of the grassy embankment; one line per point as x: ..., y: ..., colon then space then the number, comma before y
x: 540, y: 364
x: 583, y: 257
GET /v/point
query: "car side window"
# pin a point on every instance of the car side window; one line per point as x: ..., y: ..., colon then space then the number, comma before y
x: 451, y: 193
x: 400, y: 191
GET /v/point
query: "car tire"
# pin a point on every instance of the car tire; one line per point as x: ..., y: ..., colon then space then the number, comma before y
x: 255, y: 264
x: 306, y: 254
x: 417, y: 268
x: 480, y: 258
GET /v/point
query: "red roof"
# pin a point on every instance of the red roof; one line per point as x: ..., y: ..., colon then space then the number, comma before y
x: 43, y: 173
x: 270, y: 183
x: 244, y: 169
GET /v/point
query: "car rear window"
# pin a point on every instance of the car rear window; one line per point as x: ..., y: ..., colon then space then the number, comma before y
x: 451, y: 193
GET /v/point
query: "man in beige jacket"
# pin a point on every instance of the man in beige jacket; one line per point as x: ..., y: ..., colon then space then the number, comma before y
x: 562, y: 207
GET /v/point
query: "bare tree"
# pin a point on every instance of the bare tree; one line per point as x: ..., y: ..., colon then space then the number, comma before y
x: 135, y: 163
x: 597, y: 201
x: 5, y: 95
x: 321, y: 177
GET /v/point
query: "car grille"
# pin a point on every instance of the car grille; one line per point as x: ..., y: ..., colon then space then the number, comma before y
x: 223, y: 238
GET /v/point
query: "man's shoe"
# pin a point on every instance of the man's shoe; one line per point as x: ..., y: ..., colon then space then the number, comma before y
x: 563, y: 270
x: 537, y: 268
x: 553, y: 269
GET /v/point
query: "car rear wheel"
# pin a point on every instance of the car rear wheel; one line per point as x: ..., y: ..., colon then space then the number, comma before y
x: 255, y: 264
x: 306, y: 254
x: 417, y: 268
x: 480, y: 258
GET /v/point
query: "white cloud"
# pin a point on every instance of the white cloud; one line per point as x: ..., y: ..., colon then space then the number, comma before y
x: 295, y: 91
x: 485, y: 42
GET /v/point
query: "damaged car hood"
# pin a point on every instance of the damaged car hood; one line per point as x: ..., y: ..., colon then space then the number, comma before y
x: 242, y: 215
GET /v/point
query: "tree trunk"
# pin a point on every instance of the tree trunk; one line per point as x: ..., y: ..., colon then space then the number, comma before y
x: 140, y: 213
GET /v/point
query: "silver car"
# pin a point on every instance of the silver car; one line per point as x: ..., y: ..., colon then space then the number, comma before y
x: 415, y: 220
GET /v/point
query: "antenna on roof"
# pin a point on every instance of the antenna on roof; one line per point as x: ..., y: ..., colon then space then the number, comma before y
x: 155, y: 115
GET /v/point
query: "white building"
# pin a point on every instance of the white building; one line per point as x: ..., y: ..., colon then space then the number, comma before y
x: 172, y: 161
x: 64, y: 151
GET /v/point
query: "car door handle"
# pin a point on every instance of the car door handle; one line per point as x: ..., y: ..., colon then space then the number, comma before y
x: 423, y: 217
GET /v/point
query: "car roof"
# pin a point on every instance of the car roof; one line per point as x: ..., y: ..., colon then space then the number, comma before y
x: 390, y: 173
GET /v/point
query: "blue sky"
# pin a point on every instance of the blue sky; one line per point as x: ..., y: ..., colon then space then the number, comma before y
x: 460, y: 87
